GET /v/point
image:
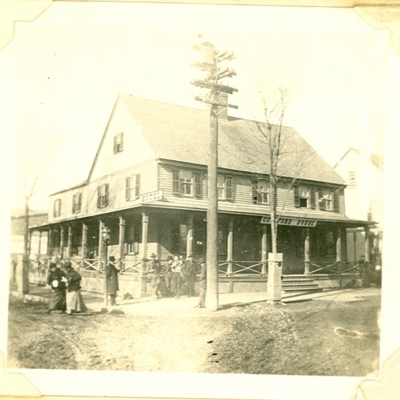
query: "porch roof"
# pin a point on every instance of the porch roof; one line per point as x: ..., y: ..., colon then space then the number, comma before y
x: 223, y: 208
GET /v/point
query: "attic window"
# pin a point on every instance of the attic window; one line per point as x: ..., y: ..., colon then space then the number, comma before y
x: 118, y: 142
x: 352, y: 179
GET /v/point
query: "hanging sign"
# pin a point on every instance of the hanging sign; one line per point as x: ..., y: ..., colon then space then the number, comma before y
x: 152, y: 196
x: 310, y: 223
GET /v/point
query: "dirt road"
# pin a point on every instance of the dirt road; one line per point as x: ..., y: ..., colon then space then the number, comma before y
x: 317, y: 337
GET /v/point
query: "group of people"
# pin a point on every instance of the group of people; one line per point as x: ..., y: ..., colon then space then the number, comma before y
x: 66, y: 289
x: 176, y: 277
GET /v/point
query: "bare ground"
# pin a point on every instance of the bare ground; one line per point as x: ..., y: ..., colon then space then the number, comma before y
x: 316, y: 337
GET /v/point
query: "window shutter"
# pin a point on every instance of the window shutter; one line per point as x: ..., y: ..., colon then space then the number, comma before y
x: 54, y: 209
x: 335, y: 201
x: 106, y: 194
x: 228, y: 186
x: 115, y: 144
x: 137, y: 186
x: 128, y: 188
x: 312, y: 198
x: 99, y: 197
x: 321, y: 201
x: 296, y: 196
x: 80, y: 201
x: 255, y: 199
x: 73, y: 203
x: 175, y: 181
x: 197, y: 184
x: 121, y: 141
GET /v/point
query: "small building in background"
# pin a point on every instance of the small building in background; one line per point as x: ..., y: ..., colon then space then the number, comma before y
x: 364, y: 175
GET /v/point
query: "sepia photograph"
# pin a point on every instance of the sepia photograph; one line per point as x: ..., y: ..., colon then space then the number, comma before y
x: 196, y: 199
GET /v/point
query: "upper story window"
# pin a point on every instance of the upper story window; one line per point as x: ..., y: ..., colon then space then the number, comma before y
x: 102, y: 196
x: 77, y: 203
x: 261, y: 192
x: 57, y: 208
x: 304, y: 197
x: 352, y: 179
x: 328, y: 200
x: 224, y: 186
x: 118, y: 142
x: 132, y: 187
x: 186, y: 183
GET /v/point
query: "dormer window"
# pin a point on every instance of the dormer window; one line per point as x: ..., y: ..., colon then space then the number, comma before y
x: 118, y: 142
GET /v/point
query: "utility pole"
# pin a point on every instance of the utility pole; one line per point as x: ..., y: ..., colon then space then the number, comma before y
x: 210, y: 60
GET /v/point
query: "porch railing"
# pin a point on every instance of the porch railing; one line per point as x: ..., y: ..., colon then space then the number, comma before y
x: 230, y: 268
x: 336, y: 268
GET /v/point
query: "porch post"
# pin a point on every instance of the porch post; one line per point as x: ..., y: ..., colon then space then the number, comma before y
x: 84, y: 241
x: 339, y: 245
x: 355, y: 246
x: 49, y: 241
x: 62, y: 242
x: 264, y: 250
x: 145, y: 229
x: 366, y: 244
x: 69, y: 243
x: 307, y: 252
x: 100, y: 255
x: 189, y: 237
x: 229, y: 252
x: 40, y: 244
x: 121, y: 241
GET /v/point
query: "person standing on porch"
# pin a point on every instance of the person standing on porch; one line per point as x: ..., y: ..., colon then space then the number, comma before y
x: 190, y: 275
x: 112, y: 280
x: 177, y: 276
x: 203, y: 284
x: 167, y: 270
x: 73, y: 279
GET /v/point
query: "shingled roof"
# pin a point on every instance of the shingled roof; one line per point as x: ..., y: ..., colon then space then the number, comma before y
x: 182, y: 134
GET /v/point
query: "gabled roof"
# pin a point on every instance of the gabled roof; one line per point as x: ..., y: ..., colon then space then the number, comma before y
x: 377, y: 160
x: 182, y: 134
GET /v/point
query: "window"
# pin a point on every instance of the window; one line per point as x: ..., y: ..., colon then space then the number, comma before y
x: 261, y: 192
x: 132, y: 187
x: 102, y: 196
x: 118, y: 142
x: 224, y: 186
x: 352, y: 179
x: 186, y: 183
x: 304, y: 197
x: 133, y: 240
x: 57, y: 208
x: 328, y: 200
x: 77, y: 203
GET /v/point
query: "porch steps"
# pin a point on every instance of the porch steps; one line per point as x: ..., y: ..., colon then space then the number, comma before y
x: 299, y: 283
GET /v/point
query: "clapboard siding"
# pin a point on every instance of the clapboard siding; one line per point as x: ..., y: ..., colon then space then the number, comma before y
x: 116, y: 195
x: 242, y: 192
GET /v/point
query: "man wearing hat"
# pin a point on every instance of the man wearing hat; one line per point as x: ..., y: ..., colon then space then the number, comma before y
x: 203, y: 283
x: 155, y: 269
x: 190, y: 271
x: 112, y: 280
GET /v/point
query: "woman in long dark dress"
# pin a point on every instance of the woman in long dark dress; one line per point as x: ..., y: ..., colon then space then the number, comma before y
x: 55, y: 281
x: 75, y: 301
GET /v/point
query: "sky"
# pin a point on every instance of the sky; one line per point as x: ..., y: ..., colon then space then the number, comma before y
x: 63, y: 72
